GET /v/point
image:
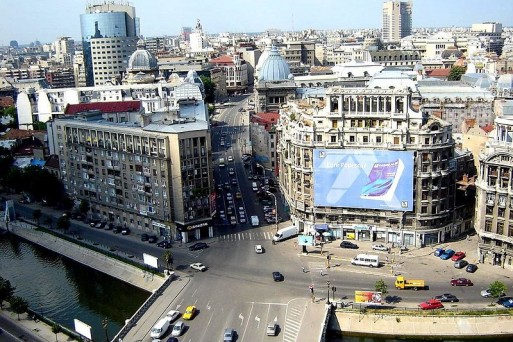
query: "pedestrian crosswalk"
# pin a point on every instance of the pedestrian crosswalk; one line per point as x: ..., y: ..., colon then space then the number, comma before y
x: 294, y: 319
x: 253, y: 236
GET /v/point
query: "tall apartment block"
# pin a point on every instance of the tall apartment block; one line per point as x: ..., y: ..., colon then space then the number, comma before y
x: 109, y: 35
x: 397, y: 20
x: 367, y: 164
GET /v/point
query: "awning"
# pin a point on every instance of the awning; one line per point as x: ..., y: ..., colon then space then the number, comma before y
x: 321, y: 227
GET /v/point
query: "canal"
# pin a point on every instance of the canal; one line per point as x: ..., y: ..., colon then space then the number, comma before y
x: 62, y: 290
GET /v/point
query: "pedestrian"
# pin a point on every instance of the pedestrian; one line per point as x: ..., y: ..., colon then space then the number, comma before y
x: 303, y: 269
x: 386, y: 258
x: 322, y: 273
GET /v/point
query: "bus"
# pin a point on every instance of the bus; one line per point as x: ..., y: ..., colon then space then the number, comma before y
x: 370, y: 260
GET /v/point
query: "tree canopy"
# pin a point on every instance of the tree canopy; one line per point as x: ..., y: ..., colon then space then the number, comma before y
x: 209, y: 89
x: 456, y: 73
x: 6, y: 291
x: 18, y: 305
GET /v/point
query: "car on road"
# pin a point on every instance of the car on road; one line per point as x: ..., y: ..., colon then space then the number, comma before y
x: 471, y: 268
x: 272, y: 328
x: 189, y: 313
x: 233, y: 220
x: 164, y: 244
x: 152, y: 238
x: 144, y: 237
x: 431, y: 304
x: 198, y: 266
x: 234, y: 181
x: 238, y: 195
x: 172, y: 315
x: 380, y: 247
x: 170, y: 339
x: 242, y: 219
x: 125, y: 231
x: 178, y: 329
x: 487, y: 294
x: 506, y: 302
x: 277, y: 276
x: 448, y: 253
x: 348, y: 244
x: 259, y: 249
x: 198, y: 246
x: 447, y: 297
x: 460, y: 264
x: 230, y: 158
x: 458, y: 256
x: 461, y: 282
x: 229, y: 335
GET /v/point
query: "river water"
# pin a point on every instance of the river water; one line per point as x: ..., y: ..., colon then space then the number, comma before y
x: 62, y: 289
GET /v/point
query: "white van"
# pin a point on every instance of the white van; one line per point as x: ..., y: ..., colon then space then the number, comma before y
x: 254, y: 186
x: 285, y: 233
x: 160, y: 328
x: 370, y: 260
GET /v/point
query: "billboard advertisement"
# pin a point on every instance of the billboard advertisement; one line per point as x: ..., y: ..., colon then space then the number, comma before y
x: 366, y: 179
x: 368, y: 297
x: 305, y: 240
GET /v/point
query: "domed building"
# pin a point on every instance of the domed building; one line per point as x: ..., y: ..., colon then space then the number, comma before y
x: 274, y: 83
x: 142, y: 66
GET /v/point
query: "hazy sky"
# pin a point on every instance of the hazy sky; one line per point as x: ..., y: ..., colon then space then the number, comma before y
x: 45, y: 20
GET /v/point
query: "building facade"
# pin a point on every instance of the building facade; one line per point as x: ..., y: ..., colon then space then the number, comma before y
x: 397, y: 20
x: 377, y: 122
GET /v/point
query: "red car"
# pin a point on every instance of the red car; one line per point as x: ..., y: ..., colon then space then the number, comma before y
x: 431, y: 304
x: 461, y: 282
x: 458, y: 256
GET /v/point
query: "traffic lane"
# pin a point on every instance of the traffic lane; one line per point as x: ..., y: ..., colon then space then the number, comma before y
x: 15, y: 332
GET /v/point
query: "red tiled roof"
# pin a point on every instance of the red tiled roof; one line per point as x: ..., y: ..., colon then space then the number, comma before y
x: 266, y: 119
x: 224, y: 59
x: 104, y: 107
x: 13, y: 134
x: 487, y: 128
x: 439, y: 72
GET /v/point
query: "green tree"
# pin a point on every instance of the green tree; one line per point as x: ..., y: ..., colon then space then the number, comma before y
x: 382, y: 287
x: 497, y: 289
x: 210, y: 88
x: 84, y: 206
x: 167, y: 257
x: 39, y: 126
x: 36, y: 215
x: 6, y: 291
x: 56, y: 328
x: 456, y: 73
x: 18, y: 305
x: 63, y: 223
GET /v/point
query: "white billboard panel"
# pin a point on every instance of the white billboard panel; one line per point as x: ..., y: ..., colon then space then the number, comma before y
x: 150, y: 260
x: 83, y: 329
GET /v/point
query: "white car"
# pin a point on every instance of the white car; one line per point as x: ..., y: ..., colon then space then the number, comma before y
x: 172, y: 315
x: 230, y: 158
x: 178, y: 329
x: 487, y: 294
x: 380, y: 247
x: 199, y: 266
x: 259, y: 249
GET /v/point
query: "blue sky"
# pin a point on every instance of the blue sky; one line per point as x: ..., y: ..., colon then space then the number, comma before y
x: 45, y: 20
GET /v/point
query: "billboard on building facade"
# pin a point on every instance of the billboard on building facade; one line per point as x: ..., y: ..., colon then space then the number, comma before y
x: 367, y: 179
x: 369, y: 297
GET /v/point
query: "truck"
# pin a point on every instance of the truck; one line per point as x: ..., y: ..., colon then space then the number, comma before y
x: 285, y: 233
x: 254, y: 221
x: 415, y: 284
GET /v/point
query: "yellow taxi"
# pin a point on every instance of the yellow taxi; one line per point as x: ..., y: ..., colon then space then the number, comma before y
x: 189, y: 312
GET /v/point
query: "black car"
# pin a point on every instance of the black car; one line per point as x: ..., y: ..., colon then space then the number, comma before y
x: 144, y: 237
x: 152, y: 238
x: 117, y: 230
x: 348, y: 244
x: 447, y: 297
x: 125, y: 231
x: 164, y: 244
x: 197, y: 246
x: 277, y: 276
x: 471, y: 268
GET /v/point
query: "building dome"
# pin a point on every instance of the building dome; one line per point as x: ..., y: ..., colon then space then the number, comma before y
x: 274, y: 68
x: 262, y: 58
x: 142, y: 59
x: 192, y: 77
x: 505, y: 82
x: 451, y: 53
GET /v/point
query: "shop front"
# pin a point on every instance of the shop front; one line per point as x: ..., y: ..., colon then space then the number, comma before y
x: 163, y: 229
x: 195, y: 231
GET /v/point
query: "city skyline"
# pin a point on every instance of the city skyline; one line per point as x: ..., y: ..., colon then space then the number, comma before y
x: 160, y: 17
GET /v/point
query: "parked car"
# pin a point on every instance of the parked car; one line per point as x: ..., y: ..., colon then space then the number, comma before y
x: 164, y: 244
x: 458, y: 256
x: 197, y: 246
x: 178, y: 329
x: 144, y: 237
x: 460, y: 264
x: 506, y: 302
x: 461, y: 282
x: 471, y: 268
x: 172, y: 315
x: 277, y: 276
x: 487, y: 294
x: 189, y: 312
x: 431, y: 304
x: 152, y: 238
x: 117, y: 230
x: 380, y: 247
x: 438, y: 252
x: 447, y: 254
x: 229, y: 335
x: 447, y: 297
x: 348, y: 244
x: 272, y: 328
x: 125, y: 231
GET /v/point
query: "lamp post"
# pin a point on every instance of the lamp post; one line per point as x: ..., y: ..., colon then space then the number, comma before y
x: 275, y: 209
x: 328, y: 299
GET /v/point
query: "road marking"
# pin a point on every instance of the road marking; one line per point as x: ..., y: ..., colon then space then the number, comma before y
x: 246, y: 327
x: 241, y: 318
x: 258, y: 320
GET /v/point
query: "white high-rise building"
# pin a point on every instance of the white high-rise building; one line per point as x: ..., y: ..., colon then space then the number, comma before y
x: 397, y: 20
x: 64, y: 50
x: 197, y: 42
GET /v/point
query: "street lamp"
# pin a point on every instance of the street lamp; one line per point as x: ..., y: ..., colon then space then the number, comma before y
x: 328, y: 299
x: 275, y: 209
